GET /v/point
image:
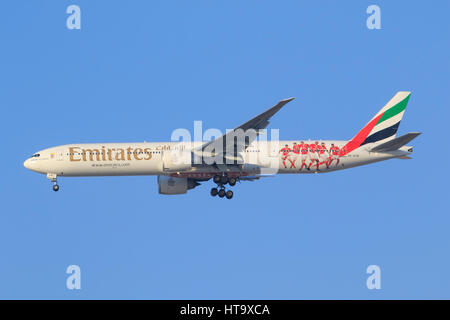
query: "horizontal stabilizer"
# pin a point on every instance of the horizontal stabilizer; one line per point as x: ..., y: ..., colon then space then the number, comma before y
x: 396, y: 143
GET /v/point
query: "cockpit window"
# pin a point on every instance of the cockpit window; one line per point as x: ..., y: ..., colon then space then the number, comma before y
x: 35, y: 155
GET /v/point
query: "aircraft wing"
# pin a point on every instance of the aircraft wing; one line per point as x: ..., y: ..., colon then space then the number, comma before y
x: 229, y: 146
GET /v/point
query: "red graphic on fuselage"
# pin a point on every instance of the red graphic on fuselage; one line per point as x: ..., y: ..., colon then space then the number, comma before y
x: 285, y: 153
x: 310, y: 155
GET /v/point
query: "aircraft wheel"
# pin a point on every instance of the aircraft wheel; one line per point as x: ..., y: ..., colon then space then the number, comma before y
x: 217, y: 179
x: 229, y: 194
x: 224, y: 179
x: 221, y: 193
x: 214, y: 192
x: 232, y: 181
x: 55, y: 187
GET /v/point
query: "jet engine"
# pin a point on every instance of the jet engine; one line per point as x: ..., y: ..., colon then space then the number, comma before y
x: 171, y: 185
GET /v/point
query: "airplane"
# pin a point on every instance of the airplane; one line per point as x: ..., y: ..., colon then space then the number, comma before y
x: 233, y: 157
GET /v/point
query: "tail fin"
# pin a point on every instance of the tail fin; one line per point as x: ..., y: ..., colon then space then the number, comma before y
x: 384, y: 125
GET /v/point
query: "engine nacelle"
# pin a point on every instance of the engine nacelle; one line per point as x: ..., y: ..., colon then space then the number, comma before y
x: 176, y: 160
x: 171, y: 185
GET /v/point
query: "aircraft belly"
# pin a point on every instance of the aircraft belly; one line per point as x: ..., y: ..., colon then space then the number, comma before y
x: 112, y: 168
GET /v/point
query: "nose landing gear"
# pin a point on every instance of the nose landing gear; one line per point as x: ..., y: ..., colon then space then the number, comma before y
x: 52, y: 177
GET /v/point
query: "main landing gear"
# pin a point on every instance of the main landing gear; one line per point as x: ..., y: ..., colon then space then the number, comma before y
x: 222, y: 193
x: 221, y: 181
x: 52, y: 177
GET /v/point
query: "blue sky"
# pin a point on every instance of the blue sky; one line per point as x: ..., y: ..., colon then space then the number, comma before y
x: 139, y: 69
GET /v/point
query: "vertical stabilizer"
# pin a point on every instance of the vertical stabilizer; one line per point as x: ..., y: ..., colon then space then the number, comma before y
x: 384, y: 125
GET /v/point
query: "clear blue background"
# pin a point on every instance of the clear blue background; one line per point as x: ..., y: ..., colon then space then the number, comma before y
x: 139, y: 69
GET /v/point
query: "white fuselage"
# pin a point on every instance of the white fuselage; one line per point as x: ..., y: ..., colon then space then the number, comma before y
x: 122, y: 159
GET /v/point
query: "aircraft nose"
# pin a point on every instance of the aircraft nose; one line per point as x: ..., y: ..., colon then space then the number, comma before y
x: 26, y: 164
x: 30, y: 165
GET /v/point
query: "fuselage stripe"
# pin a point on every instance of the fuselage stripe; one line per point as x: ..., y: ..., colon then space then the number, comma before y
x: 399, y: 107
x: 382, y: 134
x: 360, y: 137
